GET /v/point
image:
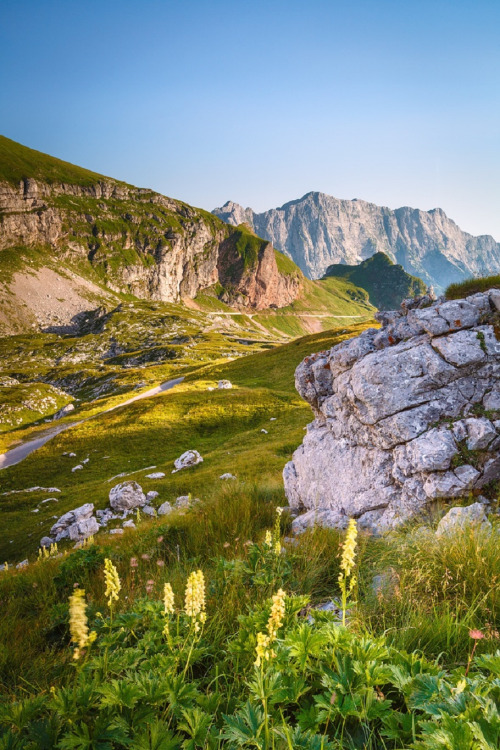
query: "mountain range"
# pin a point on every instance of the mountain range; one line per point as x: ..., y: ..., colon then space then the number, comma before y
x: 319, y: 230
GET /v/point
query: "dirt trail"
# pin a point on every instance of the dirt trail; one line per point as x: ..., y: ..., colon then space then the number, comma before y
x: 19, y: 453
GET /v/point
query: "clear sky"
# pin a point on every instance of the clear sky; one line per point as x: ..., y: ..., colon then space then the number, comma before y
x: 396, y: 102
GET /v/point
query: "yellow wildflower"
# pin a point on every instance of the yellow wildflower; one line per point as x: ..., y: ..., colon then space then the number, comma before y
x: 349, y: 550
x: 168, y: 599
x: 268, y: 541
x: 78, y: 621
x: 6, y: 566
x: 276, y: 617
x: 277, y: 614
x: 194, y: 601
x: 347, y: 565
x: 113, y: 584
x: 277, y: 548
x: 262, y: 649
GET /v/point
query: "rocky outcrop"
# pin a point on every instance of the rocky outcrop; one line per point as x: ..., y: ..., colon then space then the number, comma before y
x: 404, y: 416
x: 319, y: 230
x: 257, y: 284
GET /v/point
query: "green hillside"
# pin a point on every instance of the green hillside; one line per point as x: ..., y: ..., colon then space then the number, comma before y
x: 18, y: 162
x: 387, y: 284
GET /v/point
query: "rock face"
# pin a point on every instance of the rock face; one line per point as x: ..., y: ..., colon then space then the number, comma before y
x: 319, y: 230
x: 403, y: 416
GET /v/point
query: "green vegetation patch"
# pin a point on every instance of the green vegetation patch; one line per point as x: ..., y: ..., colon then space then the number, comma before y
x: 18, y: 162
x: 386, y: 283
x: 472, y: 286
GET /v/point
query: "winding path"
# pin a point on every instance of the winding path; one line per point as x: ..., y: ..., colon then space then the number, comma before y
x: 19, y: 453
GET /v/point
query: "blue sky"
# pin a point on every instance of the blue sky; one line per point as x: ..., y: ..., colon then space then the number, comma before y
x: 260, y: 102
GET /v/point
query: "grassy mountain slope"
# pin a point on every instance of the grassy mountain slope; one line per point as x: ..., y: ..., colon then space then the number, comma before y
x: 405, y: 655
x: 18, y: 162
x: 386, y: 282
x: 224, y: 425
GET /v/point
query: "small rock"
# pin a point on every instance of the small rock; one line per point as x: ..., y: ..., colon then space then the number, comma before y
x: 164, y: 509
x: 77, y: 468
x: 224, y: 384
x: 264, y: 431
x: 35, y: 510
x: 151, y: 495
x: 273, y: 419
x: 149, y: 511
x: 480, y: 433
x: 459, y: 518
x: 83, y: 529
x: 50, y: 500
x: 128, y: 524
x: 156, y: 475
x: 183, y: 501
x: 116, y: 531
x: 85, y: 461
x: 46, y: 541
x: 71, y: 455
x: 22, y: 564
x: 227, y: 476
x: 188, y: 459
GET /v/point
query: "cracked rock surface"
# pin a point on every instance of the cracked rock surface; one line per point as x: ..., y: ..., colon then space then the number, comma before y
x: 404, y: 415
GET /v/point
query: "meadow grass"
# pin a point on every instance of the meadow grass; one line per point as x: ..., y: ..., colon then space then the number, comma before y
x: 472, y: 286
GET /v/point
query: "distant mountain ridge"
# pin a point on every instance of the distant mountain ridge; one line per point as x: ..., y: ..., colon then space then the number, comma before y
x: 318, y: 230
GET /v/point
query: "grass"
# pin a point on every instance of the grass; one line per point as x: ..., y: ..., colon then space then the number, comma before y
x: 224, y: 426
x: 18, y: 162
x: 472, y: 286
x: 406, y: 648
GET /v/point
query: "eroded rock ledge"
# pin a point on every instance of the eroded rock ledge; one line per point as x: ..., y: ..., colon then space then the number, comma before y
x: 404, y: 415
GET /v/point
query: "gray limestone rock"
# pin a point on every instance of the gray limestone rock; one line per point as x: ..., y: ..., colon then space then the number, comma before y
x: 73, y: 518
x: 393, y: 414
x: 126, y: 496
x: 188, y: 459
x: 164, y: 509
x: 83, y: 529
x: 460, y: 518
x: 151, y: 495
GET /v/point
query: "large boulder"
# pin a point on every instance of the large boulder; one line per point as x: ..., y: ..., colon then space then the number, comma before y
x: 404, y: 415
x: 127, y: 496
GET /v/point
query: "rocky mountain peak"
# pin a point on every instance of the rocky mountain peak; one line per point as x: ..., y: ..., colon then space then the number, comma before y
x: 319, y: 230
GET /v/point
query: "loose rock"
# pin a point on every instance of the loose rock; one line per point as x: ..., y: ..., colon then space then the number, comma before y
x: 126, y: 496
x: 188, y: 459
x: 460, y: 518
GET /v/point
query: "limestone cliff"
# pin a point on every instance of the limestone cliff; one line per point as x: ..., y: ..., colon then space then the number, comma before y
x: 319, y: 230
x: 404, y: 416
x: 130, y: 239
